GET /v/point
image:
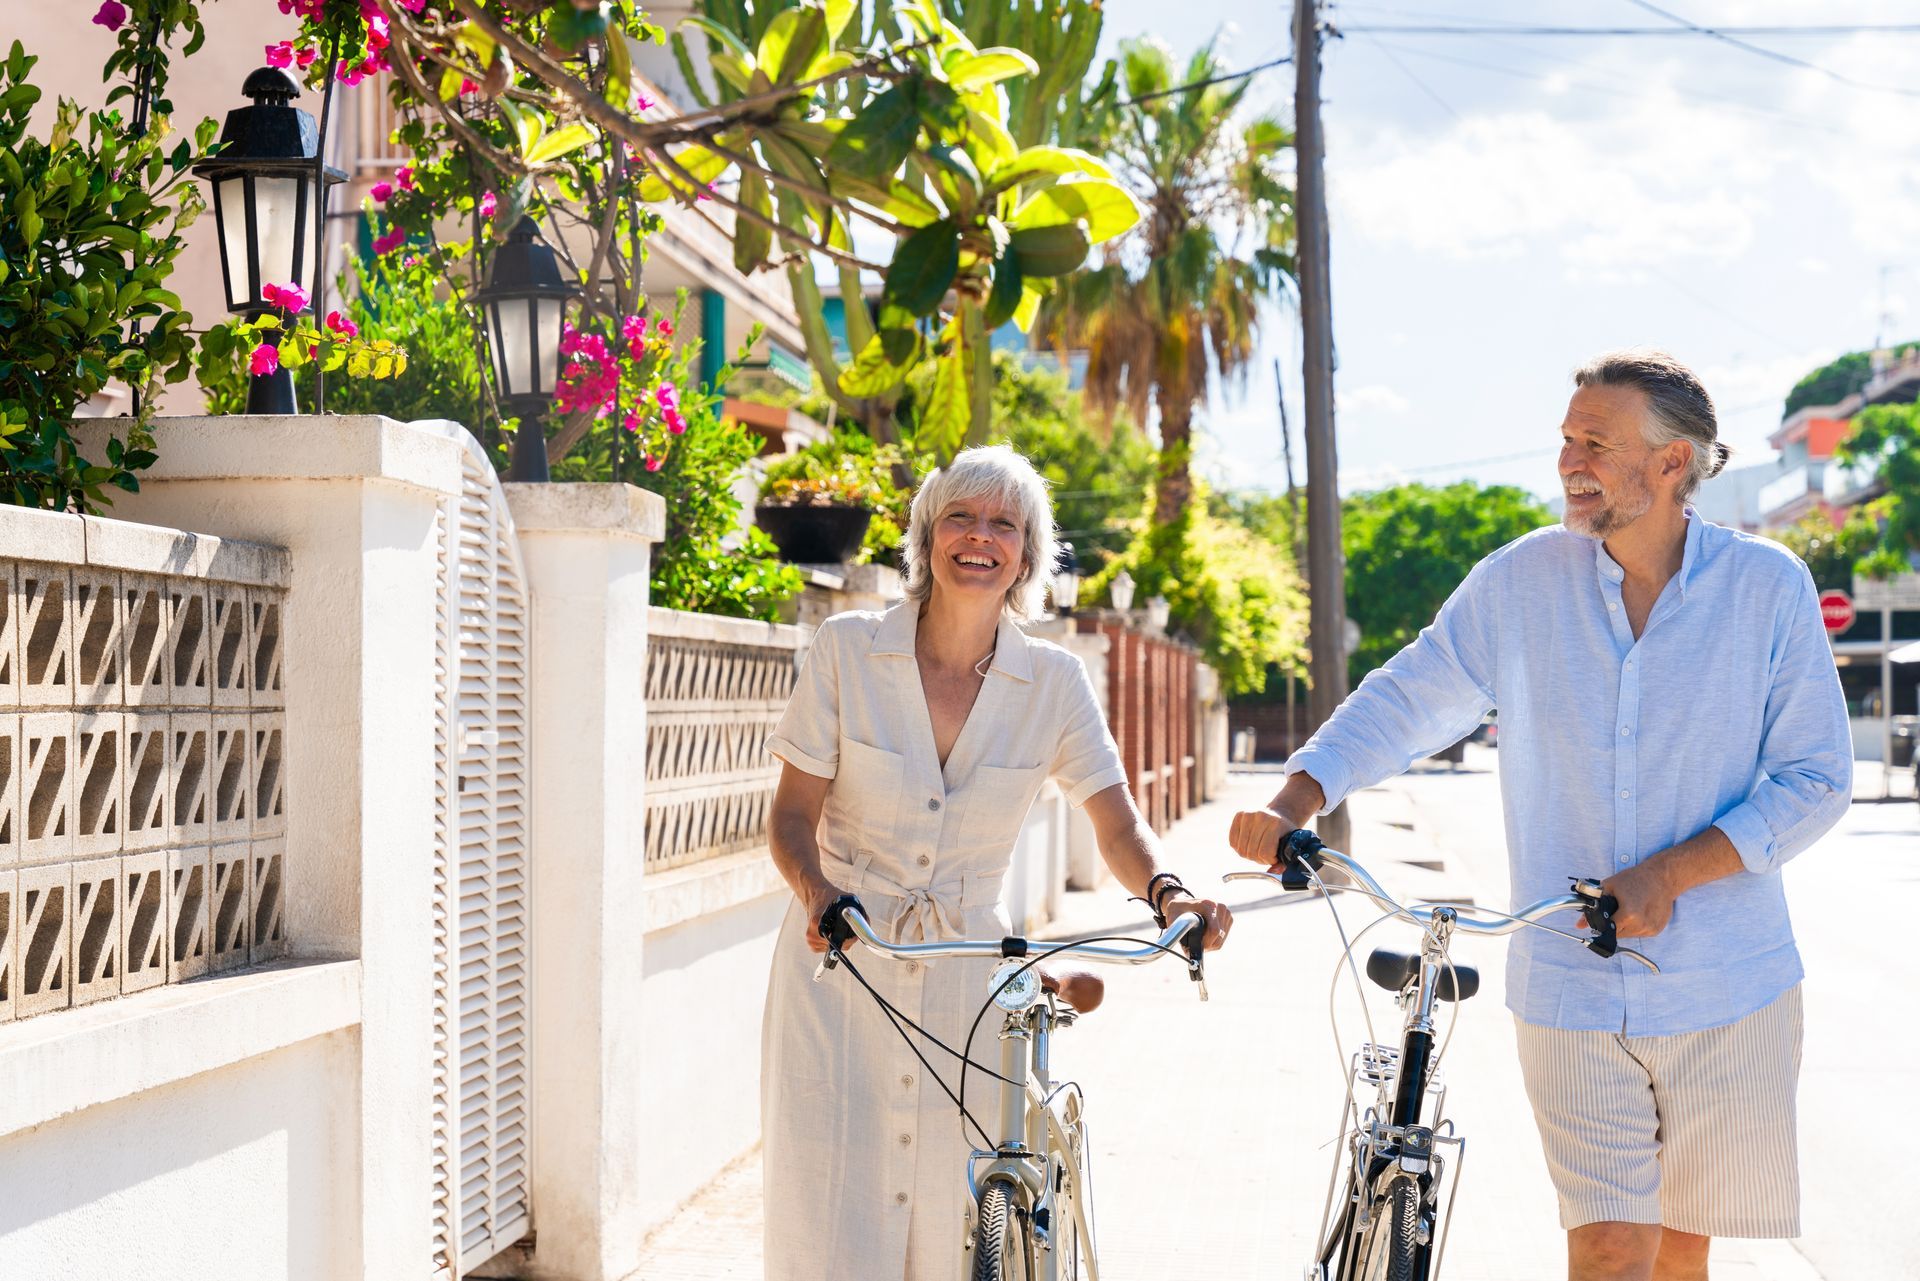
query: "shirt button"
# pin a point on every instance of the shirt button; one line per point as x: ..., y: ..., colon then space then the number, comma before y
x: 923, y: 860
x: 1624, y: 731
x: 1624, y: 860
x: 1624, y: 793
x: 1612, y: 606
x: 933, y: 803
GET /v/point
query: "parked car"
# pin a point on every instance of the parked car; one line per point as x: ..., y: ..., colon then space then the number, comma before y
x: 1487, y: 731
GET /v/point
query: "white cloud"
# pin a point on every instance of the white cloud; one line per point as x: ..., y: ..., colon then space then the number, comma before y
x: 1376, y: 397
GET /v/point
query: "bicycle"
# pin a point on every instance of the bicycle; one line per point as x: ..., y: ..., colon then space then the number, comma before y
x: 1031, y: 1214
x: 1383, y: 1225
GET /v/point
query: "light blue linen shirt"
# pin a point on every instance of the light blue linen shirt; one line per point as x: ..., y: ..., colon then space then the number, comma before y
x: 1726, y: 712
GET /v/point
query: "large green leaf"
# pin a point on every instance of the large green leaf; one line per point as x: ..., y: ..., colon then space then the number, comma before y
x: 1051, y: 251
x: 839, y: 13
x: 874, y: 372
x: 751, y: 240
x: 560, y: 142
x: 1107, y: 208
x: 807, y: 42
x: 944, y: 421
x: 702, y: 164
x: 877, y: 141
x: 1046, y: 161
x: 923, y: 268
x: 1004, y: 298
x: 989, y: 66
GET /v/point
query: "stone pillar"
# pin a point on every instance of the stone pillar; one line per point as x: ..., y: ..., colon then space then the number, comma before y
x: 587, y: 550
x: 355, y: 501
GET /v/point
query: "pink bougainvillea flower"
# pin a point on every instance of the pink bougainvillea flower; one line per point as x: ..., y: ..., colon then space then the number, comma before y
x: 307, y: 57
x: 469, y: 86
x: 654, y: 463
x: 412, y: 6
x: 704, y: 193
x: 381, y: 191
x: 403, y: 176
x: 641, y: 102
x: 632, y: 421
x: 346, y: 75
x: 112, y: 15
x: 309, y: 8
x: 280, y: 55
x: 488, y: 205
x: 377, y: 32
x: 342, y: 325
x: 391, y: 241
x: 668, y: 396
x: 411, y: 260
x: 675, y: 423
x: 666, y: 329
x: 285, y: 297
x: 265, y: 359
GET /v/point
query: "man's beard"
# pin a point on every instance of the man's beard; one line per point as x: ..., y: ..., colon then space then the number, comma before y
x: 1628, y: 500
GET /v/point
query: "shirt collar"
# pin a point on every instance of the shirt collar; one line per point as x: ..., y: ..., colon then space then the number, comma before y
x: 899, y: 624
x: 1610, y: 570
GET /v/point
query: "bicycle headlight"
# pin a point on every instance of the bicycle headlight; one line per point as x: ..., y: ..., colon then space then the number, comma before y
x: 1021, y: 990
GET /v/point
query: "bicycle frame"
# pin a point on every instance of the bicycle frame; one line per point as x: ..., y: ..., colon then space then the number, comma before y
x: 1042, y: 1149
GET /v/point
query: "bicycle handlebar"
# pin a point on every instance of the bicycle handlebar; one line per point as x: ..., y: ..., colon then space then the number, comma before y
x: 845, y: 919
x: 1587, y: 898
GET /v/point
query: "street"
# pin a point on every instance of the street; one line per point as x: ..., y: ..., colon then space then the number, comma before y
x: 1213, y: 1124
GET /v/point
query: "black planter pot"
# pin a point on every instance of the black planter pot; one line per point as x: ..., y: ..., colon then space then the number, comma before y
x: 815, y: 535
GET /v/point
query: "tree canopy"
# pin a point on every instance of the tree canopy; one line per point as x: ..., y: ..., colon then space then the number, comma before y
x: 1408, y: 547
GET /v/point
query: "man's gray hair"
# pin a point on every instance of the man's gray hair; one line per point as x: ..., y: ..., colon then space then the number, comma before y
x: 1678, y: 407
x: 998, y: 473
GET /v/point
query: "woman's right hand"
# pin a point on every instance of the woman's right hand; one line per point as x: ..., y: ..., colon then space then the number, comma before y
x: 816, y: 901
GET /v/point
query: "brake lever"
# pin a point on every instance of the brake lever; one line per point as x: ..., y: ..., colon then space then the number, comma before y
x: 834, y: 929
x: 1195, y: 944
x: 1599, y: 917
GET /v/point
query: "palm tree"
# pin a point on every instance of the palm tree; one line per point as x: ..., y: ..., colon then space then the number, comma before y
x: 1179, y: 296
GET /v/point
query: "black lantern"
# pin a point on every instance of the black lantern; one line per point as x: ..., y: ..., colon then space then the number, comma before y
x: 1066, y: 580
x: 267, y: 203
x: 523, y: 304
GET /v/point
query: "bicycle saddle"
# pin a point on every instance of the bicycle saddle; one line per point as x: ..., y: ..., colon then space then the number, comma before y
x: 1394, y: 970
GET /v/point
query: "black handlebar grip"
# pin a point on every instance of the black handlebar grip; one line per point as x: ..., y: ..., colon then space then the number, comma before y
x: 1299, y: 850
x: 1194, y: 943
x: 833, y: 926
x: 1600, y: 920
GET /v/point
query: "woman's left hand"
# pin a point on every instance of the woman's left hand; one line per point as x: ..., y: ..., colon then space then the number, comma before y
x: 1218, y: 916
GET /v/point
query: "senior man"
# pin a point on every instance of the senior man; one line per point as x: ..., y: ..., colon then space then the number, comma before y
x: 1671, y: 725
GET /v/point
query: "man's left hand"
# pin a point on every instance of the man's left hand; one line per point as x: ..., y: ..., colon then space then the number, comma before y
x: 1646, y: 895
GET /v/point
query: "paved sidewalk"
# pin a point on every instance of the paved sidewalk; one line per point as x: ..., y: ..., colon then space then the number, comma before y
x: 1213, y: 1123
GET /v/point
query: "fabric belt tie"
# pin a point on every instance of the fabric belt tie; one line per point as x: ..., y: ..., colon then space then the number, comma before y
x: 928, y: 913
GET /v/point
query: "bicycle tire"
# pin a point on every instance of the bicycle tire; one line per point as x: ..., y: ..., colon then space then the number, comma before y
x: 1390, y: 1251
x: 1000, y: 1237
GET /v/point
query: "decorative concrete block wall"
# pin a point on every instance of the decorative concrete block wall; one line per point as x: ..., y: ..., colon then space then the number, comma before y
x: 142, y: 733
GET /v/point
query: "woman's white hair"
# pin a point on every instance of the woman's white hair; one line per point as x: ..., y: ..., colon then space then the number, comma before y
x: 994, y: 472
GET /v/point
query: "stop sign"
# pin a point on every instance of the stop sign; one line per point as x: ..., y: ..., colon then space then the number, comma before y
x: 1836, y: 610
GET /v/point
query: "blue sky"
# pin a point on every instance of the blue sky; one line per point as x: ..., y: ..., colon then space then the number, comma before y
x: 1495, y: 223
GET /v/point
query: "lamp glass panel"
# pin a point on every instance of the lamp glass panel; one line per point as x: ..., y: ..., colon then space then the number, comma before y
x: 276, y: 210
x: 230, y: 202
x: 511, y: 361
x: 548, y: 351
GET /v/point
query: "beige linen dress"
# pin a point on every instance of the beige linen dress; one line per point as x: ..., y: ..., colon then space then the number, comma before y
x: 865, y: 1158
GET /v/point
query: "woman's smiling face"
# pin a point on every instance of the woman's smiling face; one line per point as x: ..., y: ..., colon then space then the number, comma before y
x: 978, y: 549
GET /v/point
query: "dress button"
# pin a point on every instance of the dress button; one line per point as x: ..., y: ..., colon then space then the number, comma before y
x: 923, y: 860
x: 907, y: 1080
x: 905, y: 1139
x: 899, y: 1198
x: 913, y: 967
x: 933, y: 802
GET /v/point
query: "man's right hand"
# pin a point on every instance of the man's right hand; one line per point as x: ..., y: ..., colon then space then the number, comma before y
x: 1256, y: 834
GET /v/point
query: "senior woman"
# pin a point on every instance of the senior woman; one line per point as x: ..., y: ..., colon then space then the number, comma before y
x: 913, y: 747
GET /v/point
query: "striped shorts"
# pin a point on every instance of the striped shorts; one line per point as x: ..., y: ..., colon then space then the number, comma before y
x: 1693, y: 1131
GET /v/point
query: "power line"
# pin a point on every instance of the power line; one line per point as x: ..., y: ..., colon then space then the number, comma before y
x: 1256, y: 69
x: 1726, y: 36
x: 1689, y: 29
x: 1420, y: 84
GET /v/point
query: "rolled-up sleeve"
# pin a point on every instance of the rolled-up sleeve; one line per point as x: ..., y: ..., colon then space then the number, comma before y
x: 1426, y: 697
x: 1806, y: 749
x: 1087, y: 762
x: 808, y: 735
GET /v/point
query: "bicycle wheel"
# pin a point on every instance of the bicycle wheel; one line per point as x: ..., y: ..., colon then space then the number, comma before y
x: 1389, y: 1250
x: 1000, y: 1240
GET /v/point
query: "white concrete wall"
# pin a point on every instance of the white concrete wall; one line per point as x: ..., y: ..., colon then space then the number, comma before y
x: 243, y: 1172
x: 699, y: 1087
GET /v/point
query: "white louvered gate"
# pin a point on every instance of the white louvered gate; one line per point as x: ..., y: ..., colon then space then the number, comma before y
x: 480, y: 1198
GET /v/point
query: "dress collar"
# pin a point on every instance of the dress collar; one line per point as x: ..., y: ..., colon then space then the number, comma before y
x: 899, y: 624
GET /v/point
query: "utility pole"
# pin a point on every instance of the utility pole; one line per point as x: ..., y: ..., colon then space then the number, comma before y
x: 1326, y: 567
x: 1296, y: 528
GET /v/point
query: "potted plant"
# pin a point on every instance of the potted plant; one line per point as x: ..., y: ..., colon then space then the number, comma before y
x: 833, y: 502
